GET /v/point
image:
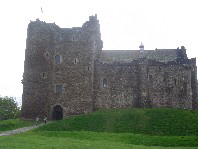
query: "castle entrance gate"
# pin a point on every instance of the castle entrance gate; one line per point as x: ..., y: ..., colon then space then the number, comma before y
x: 57, y: 113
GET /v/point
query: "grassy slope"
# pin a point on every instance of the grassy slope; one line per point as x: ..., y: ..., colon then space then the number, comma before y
x: 161, y: 127
x: 139, y: 121
x: 129, y: 128
x: 14, y: 124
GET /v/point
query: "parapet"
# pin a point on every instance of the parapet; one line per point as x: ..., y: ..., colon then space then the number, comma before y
x: 38, y: 29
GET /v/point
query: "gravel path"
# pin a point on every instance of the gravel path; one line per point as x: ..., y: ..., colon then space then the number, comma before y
x: 20, y: 130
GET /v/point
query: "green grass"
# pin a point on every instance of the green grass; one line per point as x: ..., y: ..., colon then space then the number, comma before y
x: 125, y: 138
x: 38, y: 141
x: 139, y: 121
x: 14, y: 124
x: 114, y: 129
x: 159, y: 127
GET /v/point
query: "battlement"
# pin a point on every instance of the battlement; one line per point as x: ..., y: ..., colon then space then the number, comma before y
x: 93, y: 18
x: 39, y: 31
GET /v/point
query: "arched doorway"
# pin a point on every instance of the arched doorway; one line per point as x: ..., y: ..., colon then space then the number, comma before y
x: 57, y: 113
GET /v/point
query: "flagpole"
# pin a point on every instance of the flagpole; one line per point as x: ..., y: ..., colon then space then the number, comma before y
x: 41, y: 11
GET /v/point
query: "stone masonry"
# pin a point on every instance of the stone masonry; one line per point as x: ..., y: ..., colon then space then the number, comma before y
x: 66, y: 72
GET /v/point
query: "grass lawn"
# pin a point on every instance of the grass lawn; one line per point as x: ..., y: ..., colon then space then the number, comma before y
x: 32, y: 140
x: 14, y: 124
x: 164, y: 122
x: 125, y: 138
x: 114, y: 129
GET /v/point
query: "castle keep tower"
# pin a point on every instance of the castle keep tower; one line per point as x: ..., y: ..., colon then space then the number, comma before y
x: 59, y: 69
x: 66, y: 72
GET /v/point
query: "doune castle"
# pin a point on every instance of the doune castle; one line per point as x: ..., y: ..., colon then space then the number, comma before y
x: 66, y: 72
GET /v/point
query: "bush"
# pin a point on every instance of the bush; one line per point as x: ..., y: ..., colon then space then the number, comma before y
x: 8, y: 108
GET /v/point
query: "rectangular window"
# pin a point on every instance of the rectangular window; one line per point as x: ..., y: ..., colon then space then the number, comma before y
x: 88, y: 68
x: 104, y: 82
x: 150, y: 80
x: 59, y: 89
x: 75, y: 61
x: 57, y: 59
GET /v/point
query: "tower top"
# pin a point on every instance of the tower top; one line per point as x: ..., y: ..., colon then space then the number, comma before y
x: 93, y: 17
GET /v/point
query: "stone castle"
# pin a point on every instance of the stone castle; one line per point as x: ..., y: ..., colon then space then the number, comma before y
x: 66, y: 72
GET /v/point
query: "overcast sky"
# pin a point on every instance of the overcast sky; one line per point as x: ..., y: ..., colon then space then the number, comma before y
x: 161, y: 24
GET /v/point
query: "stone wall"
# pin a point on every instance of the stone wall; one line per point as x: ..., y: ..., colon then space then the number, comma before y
x: 67, y: 73
x: 145, y: 83
x: 63, y: 58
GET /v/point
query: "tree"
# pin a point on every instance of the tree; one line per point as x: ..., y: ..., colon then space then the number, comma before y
x: 8, y: 108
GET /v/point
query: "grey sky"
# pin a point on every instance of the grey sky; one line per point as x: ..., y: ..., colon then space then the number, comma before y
x: 124, y: 25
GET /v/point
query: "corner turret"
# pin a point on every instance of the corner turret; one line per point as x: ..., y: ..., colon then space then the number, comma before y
x: 141, y: 47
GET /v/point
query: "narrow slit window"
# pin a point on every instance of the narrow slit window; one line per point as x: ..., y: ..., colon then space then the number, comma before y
x: 175, y: 82
x: 150, y: 80
x: 46, y: 55
x: 75, y: 61
x: 104, y: 82
x: 165, y: 80
x: 43, y: 75
x: 57, y: 59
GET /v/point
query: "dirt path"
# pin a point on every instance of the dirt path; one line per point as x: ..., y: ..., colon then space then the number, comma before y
x: 20, y: 130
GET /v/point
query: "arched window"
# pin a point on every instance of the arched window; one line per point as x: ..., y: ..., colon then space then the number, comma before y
x: 104, y: 82
x: 57, y: 59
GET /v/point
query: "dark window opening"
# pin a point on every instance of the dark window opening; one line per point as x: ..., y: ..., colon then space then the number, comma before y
x: 43, y: 75
x: 150, y: 80
x: 46, y: 55
x: 75, y: 61
x: 59, y: 89
x: 57, y: 59
x: 165, y: 80
x: 175, y: 82
x: 104, y: 82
